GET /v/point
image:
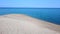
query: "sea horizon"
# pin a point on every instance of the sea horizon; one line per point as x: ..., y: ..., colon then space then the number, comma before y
x: 27, y: 7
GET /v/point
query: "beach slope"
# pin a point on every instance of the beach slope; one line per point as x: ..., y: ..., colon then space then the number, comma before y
x: 23, y: 24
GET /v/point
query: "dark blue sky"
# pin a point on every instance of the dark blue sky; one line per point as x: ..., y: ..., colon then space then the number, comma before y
x: 30, y: 3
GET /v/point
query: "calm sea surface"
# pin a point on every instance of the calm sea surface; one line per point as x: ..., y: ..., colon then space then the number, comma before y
x: 47, y: 14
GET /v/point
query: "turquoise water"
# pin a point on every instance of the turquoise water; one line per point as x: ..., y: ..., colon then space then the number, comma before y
x: 47, y: 14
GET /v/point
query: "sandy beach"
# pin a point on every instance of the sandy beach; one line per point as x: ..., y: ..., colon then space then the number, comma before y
x: 23, y: 24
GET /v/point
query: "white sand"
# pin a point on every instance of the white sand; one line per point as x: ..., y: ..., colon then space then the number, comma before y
x: 22, y: 24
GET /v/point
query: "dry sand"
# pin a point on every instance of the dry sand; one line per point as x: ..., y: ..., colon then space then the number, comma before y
x: 23, y: 24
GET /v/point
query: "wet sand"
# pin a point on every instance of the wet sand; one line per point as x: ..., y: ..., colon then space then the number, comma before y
x: 23, y: 24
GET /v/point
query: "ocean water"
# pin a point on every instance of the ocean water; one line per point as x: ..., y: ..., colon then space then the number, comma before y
x: 47, y: 14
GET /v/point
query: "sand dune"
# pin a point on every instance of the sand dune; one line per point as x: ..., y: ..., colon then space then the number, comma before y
x: 23, y: 24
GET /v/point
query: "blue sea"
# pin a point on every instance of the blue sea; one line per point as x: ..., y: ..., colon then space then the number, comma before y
x: 47, y: 14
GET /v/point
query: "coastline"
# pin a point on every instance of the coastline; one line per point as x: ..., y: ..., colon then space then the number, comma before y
x: 21, y: 18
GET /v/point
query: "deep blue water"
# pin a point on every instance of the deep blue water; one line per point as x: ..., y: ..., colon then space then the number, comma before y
x: 47, y: 14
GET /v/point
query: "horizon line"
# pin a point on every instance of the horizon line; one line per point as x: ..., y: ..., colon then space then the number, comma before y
x: 18, y: 7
